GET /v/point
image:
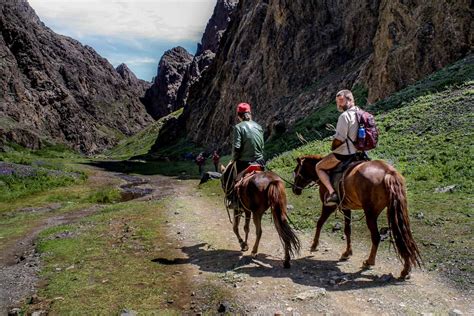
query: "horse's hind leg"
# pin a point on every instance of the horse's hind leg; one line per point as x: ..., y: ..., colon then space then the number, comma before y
x: 243, y: 245
x: 371, y: 220
x: 326, y: 211
x: 347, y: 233
x: 257, y: 220
x: 247, y: 228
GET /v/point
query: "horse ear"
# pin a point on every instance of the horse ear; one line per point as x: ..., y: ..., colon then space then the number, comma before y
x: 298, y: 160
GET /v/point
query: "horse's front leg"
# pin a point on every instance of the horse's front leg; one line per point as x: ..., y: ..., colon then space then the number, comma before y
x: 347, y: 233
x: 243, y: 245
x: 326, y: 211
x: 371, y: 219
x: 257, y: 220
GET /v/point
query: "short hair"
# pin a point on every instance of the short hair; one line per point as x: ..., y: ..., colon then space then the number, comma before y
x: 245, y: 116
x: 346, y: 94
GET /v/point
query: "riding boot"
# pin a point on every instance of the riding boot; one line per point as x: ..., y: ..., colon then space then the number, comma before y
x: 233, y: 201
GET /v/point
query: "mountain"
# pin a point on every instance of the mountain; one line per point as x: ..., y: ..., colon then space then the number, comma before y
x: 55, y: 90
x: 178, y: 69
x: 288, y: 59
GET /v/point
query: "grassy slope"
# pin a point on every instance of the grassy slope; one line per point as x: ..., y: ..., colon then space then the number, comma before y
x: 140, y: 143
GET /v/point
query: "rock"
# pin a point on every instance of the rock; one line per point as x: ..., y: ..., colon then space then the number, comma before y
x: 420, y: 215
x: 290, y: 208
x: 311, y: 294
x: 161, y: 98
x: 449, y: 189
x: 384, y: 233
x: 224, y: 307
x: 386, y: 278
x: 337, y: 226
x: 56, y: 90
x: 128, y: 312
x: 455, y: 312
x: 39, y: 313
x: 14, y: 311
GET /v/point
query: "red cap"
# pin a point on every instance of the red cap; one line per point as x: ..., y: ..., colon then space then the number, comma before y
x: 243, y: 108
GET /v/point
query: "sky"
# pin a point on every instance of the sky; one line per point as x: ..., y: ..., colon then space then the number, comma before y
x: 134, y: 32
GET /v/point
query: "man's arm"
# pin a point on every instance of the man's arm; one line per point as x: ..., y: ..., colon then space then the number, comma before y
x: 336, y: 143
x: 236, y: 145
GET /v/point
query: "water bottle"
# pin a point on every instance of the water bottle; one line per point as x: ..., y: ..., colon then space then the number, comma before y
x: 361, y: 132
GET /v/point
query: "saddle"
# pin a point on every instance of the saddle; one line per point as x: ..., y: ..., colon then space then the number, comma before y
x: 337, y: 174
x: 244, y: 177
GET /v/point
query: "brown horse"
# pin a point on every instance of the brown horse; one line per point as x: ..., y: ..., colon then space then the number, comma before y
x: 263, y: 190
x: 371, y: 186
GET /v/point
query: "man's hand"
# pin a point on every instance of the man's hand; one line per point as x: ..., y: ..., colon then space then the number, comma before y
x: 336, y: 143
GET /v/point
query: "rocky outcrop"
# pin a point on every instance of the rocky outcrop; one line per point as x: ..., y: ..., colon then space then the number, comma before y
x: 178, y: 70
x: 162, y: 97
x: 288, y: 58
x: 129, y: 77
x: 53, y: 89
x: 216, y: 26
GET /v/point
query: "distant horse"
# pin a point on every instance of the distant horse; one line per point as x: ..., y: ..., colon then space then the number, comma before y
x: 261, y: 191
x: 371, y: 186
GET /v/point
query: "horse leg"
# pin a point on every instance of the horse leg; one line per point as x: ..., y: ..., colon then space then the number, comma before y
x: 326, y: 211
x: 237, y: 214
x: 247, y: 228
x: 347, y: 233
x: 257, y: 220
x: 371, y: 220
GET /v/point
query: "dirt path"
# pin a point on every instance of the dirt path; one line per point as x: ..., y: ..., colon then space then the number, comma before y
x: 207, y: 251
x: 204, y: 261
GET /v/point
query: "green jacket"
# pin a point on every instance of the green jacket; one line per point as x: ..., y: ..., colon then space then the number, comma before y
x: 248, y: 141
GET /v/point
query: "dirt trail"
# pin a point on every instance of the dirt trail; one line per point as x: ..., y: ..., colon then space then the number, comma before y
x: 204, y: 260
x: 207, y: 251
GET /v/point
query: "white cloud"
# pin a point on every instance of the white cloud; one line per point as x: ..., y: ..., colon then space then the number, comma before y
x: 173, y: 20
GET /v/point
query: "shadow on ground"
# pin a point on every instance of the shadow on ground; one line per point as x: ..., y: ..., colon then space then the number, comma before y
x: 305, y: 271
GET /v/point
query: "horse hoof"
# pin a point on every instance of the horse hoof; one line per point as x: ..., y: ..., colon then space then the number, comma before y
x: 344, y: 258
x: 244, y: 247
x: 313, y: 249
x: 367, y: 265
x: 404, y: 276
x: 254, y: 255
x: 286, y: 265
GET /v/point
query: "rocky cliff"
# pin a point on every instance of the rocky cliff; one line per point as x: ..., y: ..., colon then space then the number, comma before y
x: 178, y: 69
x: 162, y: 97
x: 288, y: 58
x: 53, y: 89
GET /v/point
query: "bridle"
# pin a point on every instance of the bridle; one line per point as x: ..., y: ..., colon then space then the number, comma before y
x: 308, y: 181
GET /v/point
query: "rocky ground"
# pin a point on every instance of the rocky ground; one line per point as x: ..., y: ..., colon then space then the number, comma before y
x: 203, y: 259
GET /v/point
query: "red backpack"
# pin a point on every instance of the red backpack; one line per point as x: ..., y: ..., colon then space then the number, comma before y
x: 367, y: 134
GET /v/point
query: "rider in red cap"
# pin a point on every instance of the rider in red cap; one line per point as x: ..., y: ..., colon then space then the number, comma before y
x: 247, y: 142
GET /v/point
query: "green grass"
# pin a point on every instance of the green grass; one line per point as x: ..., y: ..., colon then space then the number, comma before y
x: 105, y: 267
x: 140, y: 143
x: 15, y: 187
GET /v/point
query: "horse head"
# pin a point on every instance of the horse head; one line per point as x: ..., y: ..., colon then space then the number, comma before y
x: 305, y: 172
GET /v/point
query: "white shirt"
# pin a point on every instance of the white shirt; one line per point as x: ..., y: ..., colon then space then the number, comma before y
x: 347, y: 127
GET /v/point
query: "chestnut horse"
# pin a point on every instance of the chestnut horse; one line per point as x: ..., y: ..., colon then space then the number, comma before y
x: 371, y: 186
x: 263, y: 190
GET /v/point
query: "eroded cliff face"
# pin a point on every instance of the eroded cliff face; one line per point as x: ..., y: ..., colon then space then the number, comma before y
x: 54, y: 89
x: 178, y: 70
x: 287, y: 58
x: 162, y: 97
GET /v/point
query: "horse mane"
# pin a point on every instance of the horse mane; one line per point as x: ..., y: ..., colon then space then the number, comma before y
x: 312, y: 158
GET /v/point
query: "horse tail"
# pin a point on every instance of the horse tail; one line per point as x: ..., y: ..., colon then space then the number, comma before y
x: 277, y: 200
x: 398, y: 219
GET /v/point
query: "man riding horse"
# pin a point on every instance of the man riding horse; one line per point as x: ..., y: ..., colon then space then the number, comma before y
x: 342, y: 149
x: 248, y: 144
